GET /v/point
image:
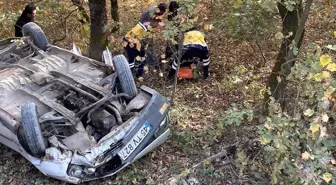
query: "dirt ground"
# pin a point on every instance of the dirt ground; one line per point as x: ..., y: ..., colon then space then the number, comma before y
x: 197, y: 131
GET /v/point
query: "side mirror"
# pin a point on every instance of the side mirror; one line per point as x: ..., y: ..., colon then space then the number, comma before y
x: 107, y: 58
x: 76, y: 49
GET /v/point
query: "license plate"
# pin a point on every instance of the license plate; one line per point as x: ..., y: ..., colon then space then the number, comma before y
x: 128, y: 149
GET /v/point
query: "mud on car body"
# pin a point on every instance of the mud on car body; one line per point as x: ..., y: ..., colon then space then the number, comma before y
x: 74, y: 118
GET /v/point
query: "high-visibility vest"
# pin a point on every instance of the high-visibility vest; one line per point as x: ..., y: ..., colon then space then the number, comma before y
x: 194, y: 38
x: 135, y: 35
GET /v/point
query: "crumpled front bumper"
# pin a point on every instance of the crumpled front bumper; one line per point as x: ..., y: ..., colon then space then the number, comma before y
x: 58, y: 168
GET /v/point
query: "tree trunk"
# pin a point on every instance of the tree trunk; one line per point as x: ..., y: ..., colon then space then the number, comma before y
x: 114, y: 10
x: 115, y: 15
x: 98, y: 36
x: 290, y: 23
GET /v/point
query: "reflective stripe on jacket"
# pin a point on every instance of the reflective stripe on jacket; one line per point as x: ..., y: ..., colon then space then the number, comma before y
x: 195, y: 39
x: 135, y: 35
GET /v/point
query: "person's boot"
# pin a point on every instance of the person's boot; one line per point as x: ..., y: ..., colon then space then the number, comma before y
x: 171, y: 74
x: 205, y: 72
x: 133, y: 71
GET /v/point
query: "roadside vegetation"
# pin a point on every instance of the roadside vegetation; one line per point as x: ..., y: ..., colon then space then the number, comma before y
x: 265, y: 116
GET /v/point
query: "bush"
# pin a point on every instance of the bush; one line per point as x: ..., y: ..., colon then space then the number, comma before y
x: 296, y: 146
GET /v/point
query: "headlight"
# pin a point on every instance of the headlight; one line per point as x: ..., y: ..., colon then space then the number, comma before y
x: 162, y: 127
x: 89, y: 171
x: 75, y: 171
x: 164, y: 122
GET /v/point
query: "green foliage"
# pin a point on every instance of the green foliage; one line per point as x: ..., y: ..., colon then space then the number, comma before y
x: 296, y: 147
x: 249, y: 20
x: 7, y: 22
x: 182, y: 22
x: 234, y: 116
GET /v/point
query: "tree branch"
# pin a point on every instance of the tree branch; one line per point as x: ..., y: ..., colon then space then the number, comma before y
x: 262, y: 53
x: 218, y: 155
x: 212, y: 158
x: 65, y: 27
x: 81, y: 8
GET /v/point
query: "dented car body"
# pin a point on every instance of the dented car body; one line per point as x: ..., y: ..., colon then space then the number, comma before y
x: 74, y: 118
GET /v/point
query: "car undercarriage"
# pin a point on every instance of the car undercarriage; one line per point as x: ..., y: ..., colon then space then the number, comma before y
x: 74, y: 118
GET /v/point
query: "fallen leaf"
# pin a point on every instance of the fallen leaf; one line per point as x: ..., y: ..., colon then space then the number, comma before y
x: 331, y: 67
x: 208, y: 27
x: 173, y: 181
x: 327, y: 177
x: 279, y: 36
x: 310, y: 76
x: 333, y: 161
x: 266, y: 125
x: 325, y: 74
x: 265, y: 139
x: 314, y: 127
x: 318, y: 77
x: 308, y: 112
x: 237, y: 4
x: 305, y: 155
x: 325, y: 60
x: 325, y: 118
x: 323, y: 131
x: 161, y: 74
x: 141, y: 79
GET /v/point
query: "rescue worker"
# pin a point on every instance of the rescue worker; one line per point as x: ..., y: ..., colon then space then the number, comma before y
x: 173, y: 6
x: 153, y: 16
x: 194, y: 45
x: 134, y: 40
x: 27, y: 16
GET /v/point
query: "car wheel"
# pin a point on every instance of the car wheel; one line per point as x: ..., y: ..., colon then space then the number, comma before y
x: 32, y: 130
x: 22, y: 139
x: 33, y: 30
x: 125, y: 75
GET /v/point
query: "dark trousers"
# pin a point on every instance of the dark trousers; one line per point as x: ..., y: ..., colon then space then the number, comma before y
x: 132, y: 54
x: 190, y: 53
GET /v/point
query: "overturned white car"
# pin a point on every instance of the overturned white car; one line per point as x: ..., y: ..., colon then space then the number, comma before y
x: 74, y: 118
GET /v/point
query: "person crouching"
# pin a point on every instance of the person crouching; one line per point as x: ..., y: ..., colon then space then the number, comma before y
x: 194, y: 46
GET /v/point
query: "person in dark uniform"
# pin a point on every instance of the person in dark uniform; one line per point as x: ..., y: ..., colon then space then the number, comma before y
x: 27, y: 16
x: 134, y: 40
x: 194, y: 45
x: 153, y: 16
x: 173, y: 6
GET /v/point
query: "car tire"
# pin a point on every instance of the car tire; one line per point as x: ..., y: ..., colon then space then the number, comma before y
x: 22, y: 139
x: 39, y: 39
x: 32, y: 130
x: 125, y: 75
